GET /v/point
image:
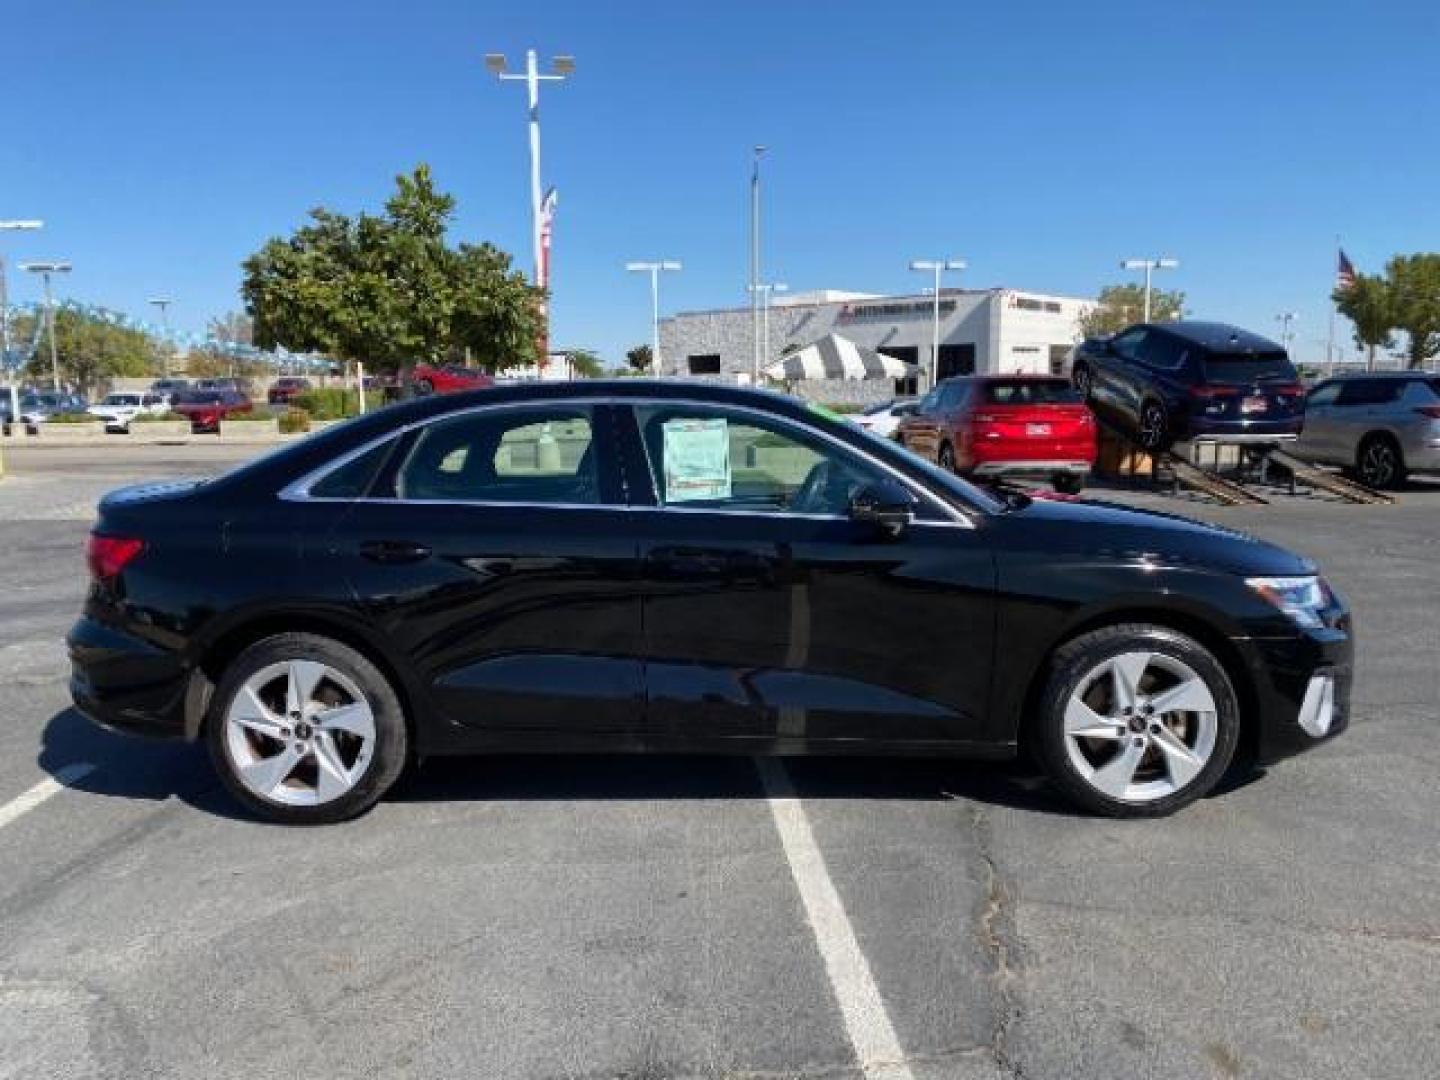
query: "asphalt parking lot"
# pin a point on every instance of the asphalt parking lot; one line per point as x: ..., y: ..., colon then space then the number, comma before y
x: 666, y: 917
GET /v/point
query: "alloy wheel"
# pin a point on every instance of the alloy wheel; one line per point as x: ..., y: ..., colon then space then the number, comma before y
x: 299, y: 733
x: 1082, y: 382
x: 1377, y: 463
x: 1140, y: 726
x: 1152, y: 426
x: 947, y: 458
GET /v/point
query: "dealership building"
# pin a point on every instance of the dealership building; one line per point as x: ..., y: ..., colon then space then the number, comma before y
x: 982, y: 331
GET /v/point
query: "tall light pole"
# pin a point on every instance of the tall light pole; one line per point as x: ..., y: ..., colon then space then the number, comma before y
x: 1149, y: 266
x: 654, y: 269
x: 767, y: 291
x: 46, y: 270
x: 163, y: 303
x: 937, y: 267
x: 28, y: 225
x: 1285, y: 318
x: 755, y: 267
x: 561, y: 68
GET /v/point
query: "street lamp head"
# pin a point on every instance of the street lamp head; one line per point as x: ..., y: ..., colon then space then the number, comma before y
x: 563, y: 65
x: 780, y: 286
x: 1134, y: 264
x: 924, y: 264
x: 46, y: 267
x: 1167, y: 264
x: 159, y: 300
x: 18, y: 226
x: 638, y: 266
x: 495, y: 63
x: 670, y: 264
x: 956, y: 264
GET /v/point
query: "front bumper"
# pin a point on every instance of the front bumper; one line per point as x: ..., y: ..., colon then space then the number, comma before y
x: 1302, y: 686
x: 127, y: 684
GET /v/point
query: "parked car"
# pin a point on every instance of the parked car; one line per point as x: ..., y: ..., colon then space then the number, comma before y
x: 117, y: 410
x: 448, y: 378
x: 167, y: 388
x: 1005, y: 426
x: 667, y: 566
x: 224, y: 382
x: 206, y: 408
x: 287, y: 388
x: 1381, y: 427
x: 1160, y: 382
x: 884, y: 418
x: 37, y: 406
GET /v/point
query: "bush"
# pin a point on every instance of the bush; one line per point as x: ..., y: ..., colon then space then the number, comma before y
x: 293, y: 421
x: 844, y: 406
x: 74, y: 418
x: 329, y: 403
x: 150, y: 418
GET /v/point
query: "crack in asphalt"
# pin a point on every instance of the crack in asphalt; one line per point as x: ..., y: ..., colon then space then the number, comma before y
x: 1000, y: 940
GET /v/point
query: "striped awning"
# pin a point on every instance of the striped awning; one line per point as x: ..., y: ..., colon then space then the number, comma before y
x: 836, y: 357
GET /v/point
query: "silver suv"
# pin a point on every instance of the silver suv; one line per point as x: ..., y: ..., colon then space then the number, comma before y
x: 1380, y: 426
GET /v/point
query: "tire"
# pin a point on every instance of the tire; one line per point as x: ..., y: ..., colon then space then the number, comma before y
x: 946, y: 457
x: 333, y: 760
x: 1082, y: 380
x: 1154, y: 433
x: 1068, y: 483
x: 424, y: 388
x: 1131, y: 768
x: 1379, y: 462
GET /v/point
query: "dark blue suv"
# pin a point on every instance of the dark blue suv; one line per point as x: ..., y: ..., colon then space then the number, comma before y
x: 1182, y: 380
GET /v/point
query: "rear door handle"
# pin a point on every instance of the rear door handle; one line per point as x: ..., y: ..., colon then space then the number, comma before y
x: 394, y: 551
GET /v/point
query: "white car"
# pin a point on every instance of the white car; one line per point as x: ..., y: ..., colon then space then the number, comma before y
x: 117, y: 410
x: 884, y: 419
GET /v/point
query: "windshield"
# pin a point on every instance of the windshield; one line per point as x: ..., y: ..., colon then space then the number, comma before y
x: 949, y: 484
x: 1232, y: 368
x: 1030, y: 392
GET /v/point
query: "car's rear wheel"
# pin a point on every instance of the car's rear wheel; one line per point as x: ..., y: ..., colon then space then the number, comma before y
x: 1136, y: 720
x: 1379, y: 463
x: 1154, y: 427
x: 946, y: 458
x: 304, y: 729
x: 424, y: 386
x: 1068, y: 483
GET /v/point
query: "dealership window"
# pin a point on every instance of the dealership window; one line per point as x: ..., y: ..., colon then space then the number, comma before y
x: 1060, y: 358
x: 704, y: 363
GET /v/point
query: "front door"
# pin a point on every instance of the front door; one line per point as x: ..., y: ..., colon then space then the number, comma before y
x: 774, y: 621
x: 496, y: 557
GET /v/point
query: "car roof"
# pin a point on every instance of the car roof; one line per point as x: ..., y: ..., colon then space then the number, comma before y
x: 1216, y: 336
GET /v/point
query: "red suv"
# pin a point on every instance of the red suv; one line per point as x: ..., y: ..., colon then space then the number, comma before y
x: 287, y: 388
x: 446, y: 379
x: 1004, y: 426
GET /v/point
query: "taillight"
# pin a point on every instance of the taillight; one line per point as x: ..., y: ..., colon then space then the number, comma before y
x: 1213, y: 391
x: 1432, y: 411
x: 108, y: 555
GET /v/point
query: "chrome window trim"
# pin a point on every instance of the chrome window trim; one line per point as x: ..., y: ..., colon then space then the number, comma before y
x: 299, y: 490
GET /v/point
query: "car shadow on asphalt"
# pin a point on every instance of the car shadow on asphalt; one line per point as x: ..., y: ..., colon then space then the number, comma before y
x: 152, y: 769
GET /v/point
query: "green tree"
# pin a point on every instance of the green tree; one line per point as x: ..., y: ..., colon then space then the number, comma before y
x: 92, y: 345
x: 235, y: 326
x: 1369, y: 304
x: 387, y: 289
x: 640, y: 358
x: 1414, y: 285
x: 1120, y: 306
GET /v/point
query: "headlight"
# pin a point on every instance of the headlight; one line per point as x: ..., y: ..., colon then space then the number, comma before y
x: 1302, y: 598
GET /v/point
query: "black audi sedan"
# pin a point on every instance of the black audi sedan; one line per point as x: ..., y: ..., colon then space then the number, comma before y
x: 667, y: 566
x: 1165, y: 381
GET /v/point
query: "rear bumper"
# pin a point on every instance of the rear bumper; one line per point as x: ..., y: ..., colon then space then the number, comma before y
x: 1076, y: 466
x: 1244, y: 431
x: 1302, y: 686
x: 127, y: 684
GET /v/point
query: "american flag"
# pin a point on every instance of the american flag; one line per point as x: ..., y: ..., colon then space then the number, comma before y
x: 1345, y: 272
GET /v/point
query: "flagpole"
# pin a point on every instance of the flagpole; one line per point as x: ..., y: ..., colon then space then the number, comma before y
x: 1330, y: 343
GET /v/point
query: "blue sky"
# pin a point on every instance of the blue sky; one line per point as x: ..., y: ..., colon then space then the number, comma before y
x: 164, y: 140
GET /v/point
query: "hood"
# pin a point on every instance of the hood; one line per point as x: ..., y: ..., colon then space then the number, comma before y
x: 1107, y: 532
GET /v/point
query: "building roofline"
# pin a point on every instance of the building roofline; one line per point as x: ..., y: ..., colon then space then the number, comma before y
x: 883, y: 299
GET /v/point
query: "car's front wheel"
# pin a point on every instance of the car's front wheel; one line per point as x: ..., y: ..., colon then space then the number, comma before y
x: 1154, y: 427
x: 1378, y: 462
x: 305, y: 730
x: 1136, y: 720
x: 946, y: 458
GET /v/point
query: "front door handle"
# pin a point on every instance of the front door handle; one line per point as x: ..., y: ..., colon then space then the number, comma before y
x: 394, y: 551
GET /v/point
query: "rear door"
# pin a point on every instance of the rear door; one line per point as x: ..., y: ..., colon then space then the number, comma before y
x: 497, y: 556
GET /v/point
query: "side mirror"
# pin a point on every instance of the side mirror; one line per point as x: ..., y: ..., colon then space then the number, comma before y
x: 887, y: 504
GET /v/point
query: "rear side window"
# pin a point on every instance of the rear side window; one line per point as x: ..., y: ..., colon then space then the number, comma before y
x: 1370, y: 391
x: 507, y: 455
x: 1230, y: 368
x: 354, y: 479
x: 1030, y: 392
x: 1164, y: 353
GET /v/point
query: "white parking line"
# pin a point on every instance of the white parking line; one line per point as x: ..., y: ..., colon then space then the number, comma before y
x: 62, y: 779
x: 877, y: 1049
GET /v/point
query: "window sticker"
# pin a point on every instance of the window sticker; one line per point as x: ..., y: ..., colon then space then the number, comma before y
x: 697, y: 460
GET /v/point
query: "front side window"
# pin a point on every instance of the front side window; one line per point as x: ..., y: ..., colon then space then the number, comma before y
x: 504, y: 455
x: 712, y: 458
x: 1126, y: 345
